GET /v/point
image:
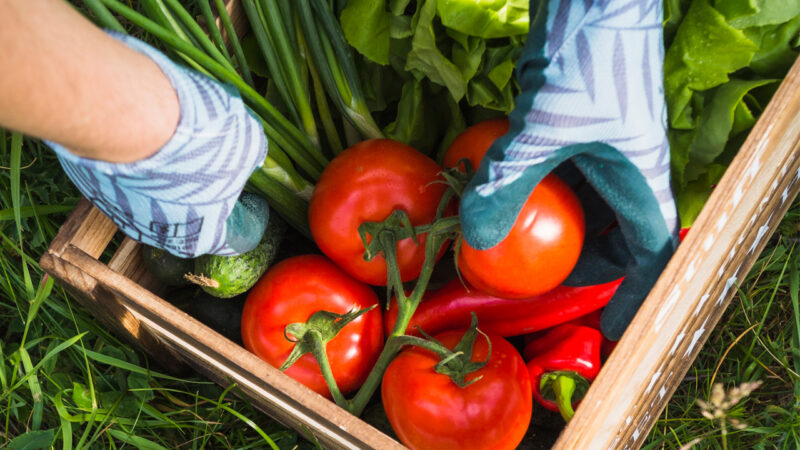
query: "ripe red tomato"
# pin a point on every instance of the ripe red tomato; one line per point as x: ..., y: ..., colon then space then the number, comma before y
x: 539, y: 252
x: 428, y: 410
x: 366, y: 183
x: 290, y: 292
x: 473, y: 142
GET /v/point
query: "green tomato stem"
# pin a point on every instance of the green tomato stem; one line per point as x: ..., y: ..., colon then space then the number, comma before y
x: 318, y: 350
x: 406, y: 308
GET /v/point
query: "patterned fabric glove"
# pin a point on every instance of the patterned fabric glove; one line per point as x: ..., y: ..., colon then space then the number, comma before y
x: 591, y: 75
x: 183, y: 198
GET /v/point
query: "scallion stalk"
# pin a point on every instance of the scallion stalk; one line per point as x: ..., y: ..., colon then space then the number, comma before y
x: 222, y: 12
x: 334, y: 61
x: 213, y: 29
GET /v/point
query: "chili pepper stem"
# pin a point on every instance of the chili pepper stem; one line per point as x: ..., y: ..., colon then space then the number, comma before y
x: 564, y: 387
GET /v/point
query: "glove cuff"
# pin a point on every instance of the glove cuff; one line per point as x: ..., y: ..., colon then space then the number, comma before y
x: 179, y: 198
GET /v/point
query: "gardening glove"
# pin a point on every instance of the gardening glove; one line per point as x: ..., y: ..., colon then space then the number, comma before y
x: 184, y: 197
x: 591, y: 104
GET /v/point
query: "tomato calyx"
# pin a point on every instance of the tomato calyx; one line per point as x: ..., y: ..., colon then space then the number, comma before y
x: 458, y: 363
x: 564, y: 387
x: 313, y: 335
x: 457, y: 179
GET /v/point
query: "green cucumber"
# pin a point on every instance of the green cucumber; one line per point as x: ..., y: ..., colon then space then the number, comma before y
x: 166, y: 267
x: 228, y: 276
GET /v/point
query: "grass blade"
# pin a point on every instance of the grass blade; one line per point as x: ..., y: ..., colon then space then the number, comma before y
x: 30, y: 211
x: 35, y: 387
x: 16, y: 157
x: 136, y: 441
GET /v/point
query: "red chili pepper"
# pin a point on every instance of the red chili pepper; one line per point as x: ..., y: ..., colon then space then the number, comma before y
x: 450, y: 308
x: 562, y: 361
x: 591, y: 320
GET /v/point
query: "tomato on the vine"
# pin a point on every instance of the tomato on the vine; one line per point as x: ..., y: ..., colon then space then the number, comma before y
x: 542, y: 247
x: 539, y: 252
x: 474, y: 141
x: 366, y: 183
x: 291, y: 291
x: 428, y: 410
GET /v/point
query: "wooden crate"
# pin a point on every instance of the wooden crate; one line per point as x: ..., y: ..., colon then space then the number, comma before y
x: 624, y: 401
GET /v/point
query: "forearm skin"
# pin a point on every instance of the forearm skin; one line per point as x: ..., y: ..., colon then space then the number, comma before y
x: 65, y: 80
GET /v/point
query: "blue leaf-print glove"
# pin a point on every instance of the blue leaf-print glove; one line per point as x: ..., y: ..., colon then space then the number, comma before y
x: 592, y: 106
x: 184, y: 197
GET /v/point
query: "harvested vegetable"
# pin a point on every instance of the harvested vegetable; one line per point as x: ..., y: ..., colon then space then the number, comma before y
x: 450, y: 307
x: 722, y: 64
x: 367, y: 183
x: 228, y: 276
x: 166, y: 267
x: 562, y: 361
x: 480, y: 399
x: 539, y: 252
x: 291, y: 293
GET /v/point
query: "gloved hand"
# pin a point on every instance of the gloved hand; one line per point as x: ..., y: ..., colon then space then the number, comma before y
x: 184, y: 197
x: 592, y: 105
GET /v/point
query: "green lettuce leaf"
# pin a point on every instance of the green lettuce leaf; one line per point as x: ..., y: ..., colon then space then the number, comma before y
x: 768, y: 12
x: 704, y: 52
x: 426, y: 58
x: 485, y: 18
x: 776, y: 44
x: 693, y: 197
x: 366, y: 25
x: 736, y: 9
x: 716, y: 124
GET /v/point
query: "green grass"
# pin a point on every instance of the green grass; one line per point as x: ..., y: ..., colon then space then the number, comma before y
x: 756, y: 340
x: 66, y: 382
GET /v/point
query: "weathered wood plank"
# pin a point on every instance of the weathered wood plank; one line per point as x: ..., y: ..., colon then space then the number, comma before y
x: 689, y: 298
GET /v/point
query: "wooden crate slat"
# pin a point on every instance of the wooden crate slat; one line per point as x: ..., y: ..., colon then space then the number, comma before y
x: 86, y: 289
x: 209, y: 352
x: 86, y: 228
x: 689, y: 298
x: 127, y: 261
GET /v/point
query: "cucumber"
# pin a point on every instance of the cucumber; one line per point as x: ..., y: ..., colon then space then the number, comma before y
x: 166, y: 267
x: 228, y: 276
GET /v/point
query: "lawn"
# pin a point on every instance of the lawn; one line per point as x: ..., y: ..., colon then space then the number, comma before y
x: 66, y: 382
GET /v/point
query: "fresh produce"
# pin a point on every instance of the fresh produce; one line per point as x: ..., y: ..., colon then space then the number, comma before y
x: 228, y: 276
x: 544, y: 244
x: 472, y: 143
x: 470, y: 48
x: 450, y: 307
x: 291, y: 292
x: 366, y: 183
x: 722, y: 64
x: 562, y: 361
x: 166, y: 267
x: 476, y: 400
x: 540, y: 250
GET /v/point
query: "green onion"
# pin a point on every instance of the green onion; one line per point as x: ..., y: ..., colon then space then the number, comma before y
x: 334, y: 61
x: 234, y: 40
x: 213, y: 29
